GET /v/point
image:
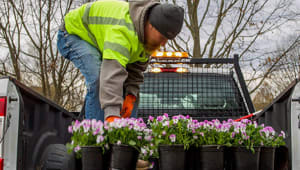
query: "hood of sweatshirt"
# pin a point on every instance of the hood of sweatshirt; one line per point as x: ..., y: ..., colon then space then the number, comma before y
x: 138, y: 10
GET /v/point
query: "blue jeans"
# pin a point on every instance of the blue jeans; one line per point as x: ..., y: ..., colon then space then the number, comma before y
x: 87, y: 59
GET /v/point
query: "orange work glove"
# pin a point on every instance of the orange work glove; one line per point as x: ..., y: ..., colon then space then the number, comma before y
x: 112, y: 118
x: 128, y: 105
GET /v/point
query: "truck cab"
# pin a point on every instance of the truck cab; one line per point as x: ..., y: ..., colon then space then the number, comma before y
x: 201, y: 88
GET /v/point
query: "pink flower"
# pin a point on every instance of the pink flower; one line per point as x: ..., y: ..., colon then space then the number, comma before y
x: 151, y: 118
x: 70, y: 129
x: 282, y: 134
x: 77, y: 125
x: 160, y: 118
x: 148, y: 138
x: 96, y: 131
x: 100, y: 139
x: 77, y: 148
x: 172, y: 137
x: 202, y: 134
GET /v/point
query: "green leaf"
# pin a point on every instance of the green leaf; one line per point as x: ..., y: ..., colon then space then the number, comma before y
x: 132, y: 143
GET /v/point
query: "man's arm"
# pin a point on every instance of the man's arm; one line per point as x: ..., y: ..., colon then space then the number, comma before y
x: 135, y: 77
x: 112, y: 78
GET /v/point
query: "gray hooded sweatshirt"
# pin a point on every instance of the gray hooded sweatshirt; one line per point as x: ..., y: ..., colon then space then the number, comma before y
x: 114, y: 77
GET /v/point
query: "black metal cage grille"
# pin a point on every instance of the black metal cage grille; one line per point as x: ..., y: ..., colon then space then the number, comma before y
x: 206, y: 91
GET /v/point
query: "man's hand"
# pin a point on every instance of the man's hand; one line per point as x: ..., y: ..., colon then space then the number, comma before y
x: 128, y: 105
x: 112, y: 118
x: 142, y: 165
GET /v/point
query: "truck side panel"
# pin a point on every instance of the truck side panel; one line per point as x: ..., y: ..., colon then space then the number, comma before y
x: 295, y: 128
x: 11, y: 124
x: 41, y: 123
x: 282, y: 114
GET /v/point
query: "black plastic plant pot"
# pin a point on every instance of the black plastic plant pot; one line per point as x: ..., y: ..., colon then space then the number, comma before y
x: 208, y: 157
x: 92, y: 158
x: 267, y: 158
x: 172, y: 157
x: 106, y: 159
x: 123, y: 157
x: 244, y: 159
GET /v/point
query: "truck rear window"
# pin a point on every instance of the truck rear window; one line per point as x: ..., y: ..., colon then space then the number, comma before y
x: 200, y: 95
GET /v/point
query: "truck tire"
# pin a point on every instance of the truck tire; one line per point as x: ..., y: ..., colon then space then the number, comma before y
x: 56, y: 157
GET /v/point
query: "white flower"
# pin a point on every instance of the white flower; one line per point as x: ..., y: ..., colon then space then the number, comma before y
x: 119, y: 142
x: 100, y: 138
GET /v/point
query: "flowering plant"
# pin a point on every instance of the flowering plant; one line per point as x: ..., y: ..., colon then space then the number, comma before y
x: 129, y: 131
x: 245, y: 133
x: 87, y: 133
x: 170, y: 131
x: 270, y: 139
x: 210, y: 133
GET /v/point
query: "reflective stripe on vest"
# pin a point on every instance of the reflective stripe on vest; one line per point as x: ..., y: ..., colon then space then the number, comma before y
x: 86, y: 20
x: 110, y: 21
x: 116, y: 47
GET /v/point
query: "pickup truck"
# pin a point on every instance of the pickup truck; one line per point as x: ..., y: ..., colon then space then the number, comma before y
x: 33, y: 129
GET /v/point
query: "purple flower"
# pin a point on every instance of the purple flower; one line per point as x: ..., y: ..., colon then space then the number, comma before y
x: 151, y: 118
x: 160, y: 118
x: 195, y: 137
x: 100, y: 139
x: 77, y: 148
x: 232, y: 135
x: 151, y: 152
x: 163, y: 133
x: 96, y: 131
x: 119, y: 142
x: 175, y: 117
x: 70, y: 129
x: 152, y: 165
x: 230, y: 121
x: 166, y: 115
x: 139, y: 137
x: 166, y: 123
x: 187, y: 116
x: 86, y: 127
x: 77, y: 126
x: 148, y: 138
x: 282, y: 134
x: 143, y: 151
x: 219, y: 126
x: 181, y: 117
x: 202, y: 134
x: 172, y: 137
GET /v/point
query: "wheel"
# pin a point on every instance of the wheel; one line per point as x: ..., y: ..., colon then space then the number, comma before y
x: 56, y: 157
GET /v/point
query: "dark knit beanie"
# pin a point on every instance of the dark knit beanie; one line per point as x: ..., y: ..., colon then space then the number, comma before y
x: 167, y: 19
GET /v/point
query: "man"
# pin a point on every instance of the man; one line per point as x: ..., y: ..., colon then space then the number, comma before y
x: 110, y: 42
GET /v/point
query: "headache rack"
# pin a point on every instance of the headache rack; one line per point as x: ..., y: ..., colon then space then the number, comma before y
x: 206, y: 89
